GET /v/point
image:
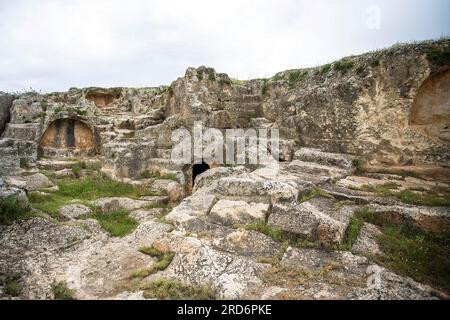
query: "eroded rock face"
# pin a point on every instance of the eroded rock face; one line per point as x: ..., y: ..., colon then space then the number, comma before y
x: 227, y: 225
x: 430, y: 114
x: 5, y: 105
x: 67, y: 135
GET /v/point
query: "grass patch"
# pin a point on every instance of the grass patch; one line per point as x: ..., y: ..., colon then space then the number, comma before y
x: 343, y: 66
x: 313, y: 193
x: 211, y: 76
x: 62, y: 292
x: 407, y: 250
x: 117, y: 223
x: 440, y: 57
x: 13, y: 209
x: 71, y: 110
x: 352, y: 232
x: 282, y: 275
x: 84, y: 190
x: 430, y: 198
x: 199, y: 75
x: 165, y: 289
x: 164, y: 260
x: 420, y: 255
x: 11, y: 285
x: 151, y: 251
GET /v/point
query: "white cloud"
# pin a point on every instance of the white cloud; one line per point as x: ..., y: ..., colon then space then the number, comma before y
x: 53, y: 45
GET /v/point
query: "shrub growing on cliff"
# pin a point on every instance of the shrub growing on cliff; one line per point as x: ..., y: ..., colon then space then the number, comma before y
x: 440, y: 57
x: 295, y: 77
x: 325, y: 69
x: 343, y: 66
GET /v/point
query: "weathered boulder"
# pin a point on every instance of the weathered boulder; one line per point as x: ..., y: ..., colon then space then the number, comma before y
x: 367, y: 241
x: 32, y: 182
x: 197, y: 205
x: 230, y: 213
x: 308, y: 221
x: 214, y: 174
x: 74, y: 211
x: 173, y: 189
x: 196, y: 262
x: 117, y: 203
x: 7, y: 191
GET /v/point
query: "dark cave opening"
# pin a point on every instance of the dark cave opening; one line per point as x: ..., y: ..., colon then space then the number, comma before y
x: 199, y: 169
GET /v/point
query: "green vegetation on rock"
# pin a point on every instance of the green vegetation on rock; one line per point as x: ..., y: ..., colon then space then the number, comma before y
x: 12, y: 209
x: 117, y: 223
x: 62, y: 292
x: 440, y: 57
x: 163, y: 261
x: 165, y: 289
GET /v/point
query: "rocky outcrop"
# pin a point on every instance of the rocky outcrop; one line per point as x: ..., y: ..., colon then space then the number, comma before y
x: 275, y: 230
x: 5, y: 105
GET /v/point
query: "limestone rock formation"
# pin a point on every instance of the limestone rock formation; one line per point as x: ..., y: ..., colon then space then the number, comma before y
x: 307, y: 225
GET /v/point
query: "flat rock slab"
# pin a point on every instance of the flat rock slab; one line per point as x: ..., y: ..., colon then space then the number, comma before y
x: 117, y: 203
x: 250, y: 244
x: 74, y: 211
x: 197, y: 263
x: 344, y: 161
x: 30, y: 183
x: 229, y: 213
x: 253, y: 188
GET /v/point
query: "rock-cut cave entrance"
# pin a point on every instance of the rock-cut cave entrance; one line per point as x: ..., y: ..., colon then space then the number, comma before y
x: 430, y: 114
x: 198, y: 169
x: 67, y: 138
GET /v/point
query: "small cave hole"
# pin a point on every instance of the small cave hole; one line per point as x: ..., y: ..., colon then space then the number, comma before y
x: 198, y: 169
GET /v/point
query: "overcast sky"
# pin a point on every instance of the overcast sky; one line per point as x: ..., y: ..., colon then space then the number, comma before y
x: 52, y: 45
